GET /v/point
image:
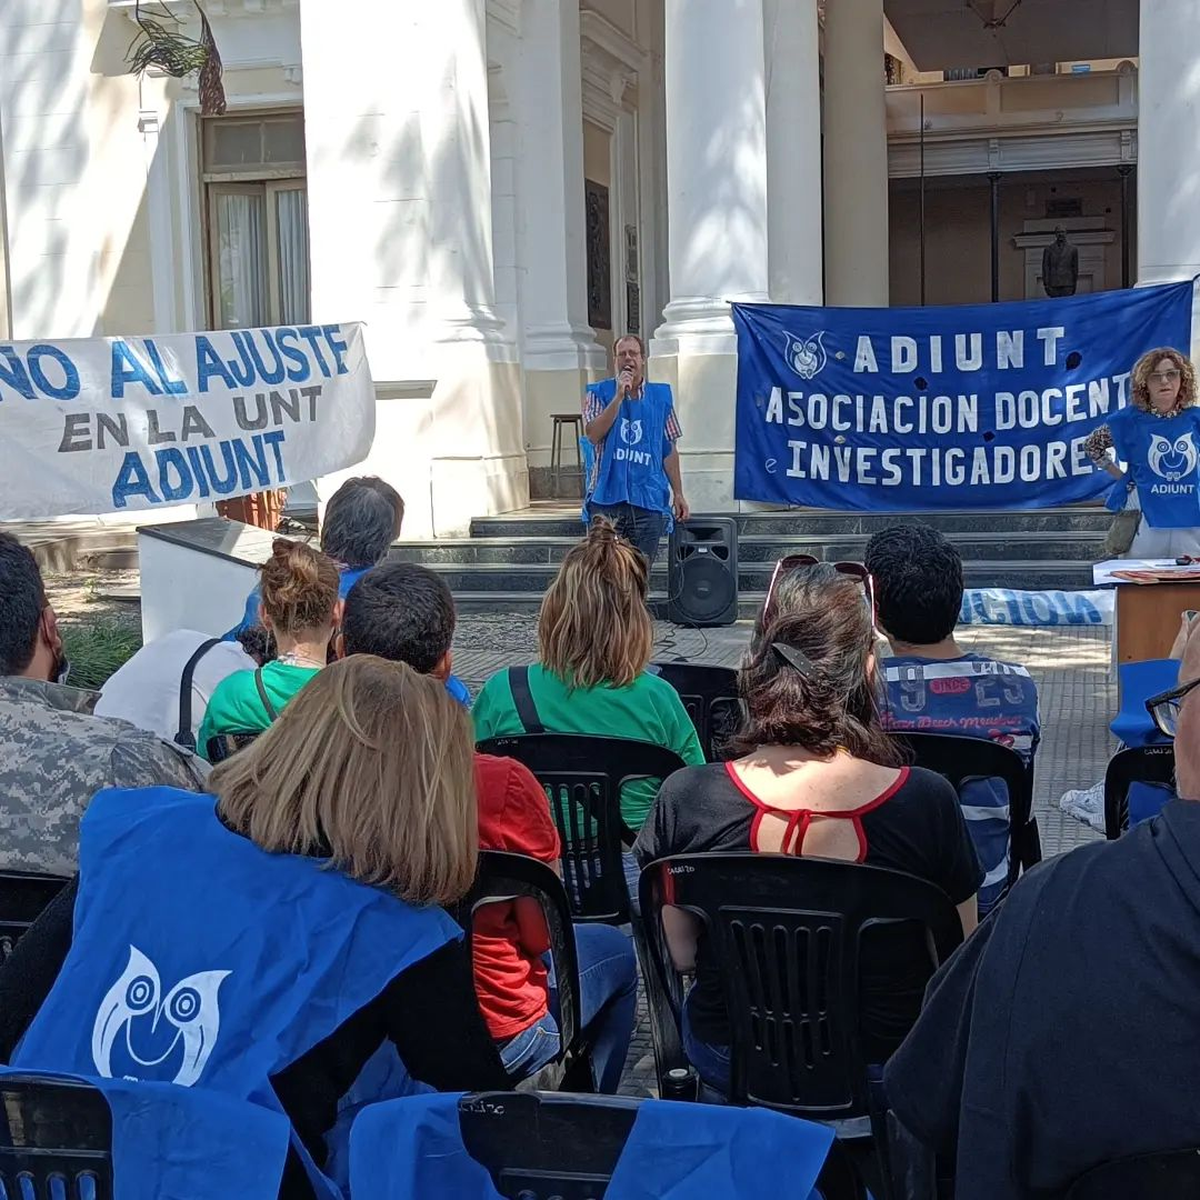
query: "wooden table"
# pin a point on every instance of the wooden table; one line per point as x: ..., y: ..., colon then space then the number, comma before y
x: 1147, y: 614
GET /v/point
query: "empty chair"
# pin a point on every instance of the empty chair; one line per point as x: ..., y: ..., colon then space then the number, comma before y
x: 710, y: 695
x: 1137, y: 783
x: 65, y: 1139
x: 583, y: 777
x: 534, y: 1145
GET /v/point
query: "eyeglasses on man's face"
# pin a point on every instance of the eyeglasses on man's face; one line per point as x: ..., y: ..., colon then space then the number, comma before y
x: 1163, y: 376
x: 1164, y: 707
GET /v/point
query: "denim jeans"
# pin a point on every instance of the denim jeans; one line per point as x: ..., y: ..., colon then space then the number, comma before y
x: 711, y: 1061
x: 641, y: 526
x: 608, y: 1008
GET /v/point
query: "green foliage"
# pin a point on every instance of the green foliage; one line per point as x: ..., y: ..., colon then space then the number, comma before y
x: 97, y: 649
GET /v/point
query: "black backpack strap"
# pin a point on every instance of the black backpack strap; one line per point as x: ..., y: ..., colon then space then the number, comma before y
x: 184, y: 736
x: 527, y: 713
x: 272, y: 713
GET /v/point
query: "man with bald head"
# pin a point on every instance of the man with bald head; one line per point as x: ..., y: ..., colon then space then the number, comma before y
x: 1066, y: 1032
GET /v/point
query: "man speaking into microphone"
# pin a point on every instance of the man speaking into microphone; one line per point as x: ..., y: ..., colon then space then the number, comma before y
x: 633, y: 427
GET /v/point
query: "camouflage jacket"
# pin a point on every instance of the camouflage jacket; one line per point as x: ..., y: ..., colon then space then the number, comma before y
x: 55, y: 756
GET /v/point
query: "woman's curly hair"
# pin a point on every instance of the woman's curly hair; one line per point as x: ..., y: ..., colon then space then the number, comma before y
x: 1140, y: 380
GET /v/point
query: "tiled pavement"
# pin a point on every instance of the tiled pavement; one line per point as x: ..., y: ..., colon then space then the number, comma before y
x: 1071, y: 665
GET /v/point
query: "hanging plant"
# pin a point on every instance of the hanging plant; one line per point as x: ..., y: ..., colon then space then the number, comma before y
x: 161, y: 43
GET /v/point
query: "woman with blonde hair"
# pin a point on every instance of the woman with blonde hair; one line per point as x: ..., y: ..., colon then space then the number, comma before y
x: 300, y: 610
x: 595, y: 638
x: 1158, y: 436
x: 282, y: 943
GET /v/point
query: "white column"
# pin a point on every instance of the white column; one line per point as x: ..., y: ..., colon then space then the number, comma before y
x: 549, y: 104
x: 163, y: 252
x: 559, y: 354
x: 794, y: 231
x: 716, y: 131
x: 1168, y: 170
x: 716, y: 165
x: 856, y: 176
x: 400, y: 224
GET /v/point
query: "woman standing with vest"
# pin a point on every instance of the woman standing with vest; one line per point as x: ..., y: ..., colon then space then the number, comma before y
x: 281, y: 943
x: 1158, y: 437
x: 300, y: 610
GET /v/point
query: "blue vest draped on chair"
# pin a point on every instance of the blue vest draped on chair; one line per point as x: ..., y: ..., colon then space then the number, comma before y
x: 631, y: 462
x: 675, y: 1151
x: 169, y: 1141
x: 199, y: 959
x: 1163, y: 455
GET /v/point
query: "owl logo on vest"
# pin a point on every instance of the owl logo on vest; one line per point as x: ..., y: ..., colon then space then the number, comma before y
x: 187, y: 1017
x: 1173, y: 460
x: 806, y: 358
x: 631, y: 431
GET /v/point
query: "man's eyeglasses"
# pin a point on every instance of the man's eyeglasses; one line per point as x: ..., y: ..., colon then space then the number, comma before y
x: 1163, y: 376
x: 1164, y: 707
x: 794, y: 562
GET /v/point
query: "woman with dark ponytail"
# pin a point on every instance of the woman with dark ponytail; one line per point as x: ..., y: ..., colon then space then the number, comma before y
x: 817, y: 776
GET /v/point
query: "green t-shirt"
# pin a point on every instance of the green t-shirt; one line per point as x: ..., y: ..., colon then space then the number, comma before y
x: 236, y: 707
x: 648, y: 709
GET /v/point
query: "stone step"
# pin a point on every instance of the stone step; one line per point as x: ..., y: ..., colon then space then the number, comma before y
x: 1083, y: 518
x: 753, y: 577
x: 521, y: 551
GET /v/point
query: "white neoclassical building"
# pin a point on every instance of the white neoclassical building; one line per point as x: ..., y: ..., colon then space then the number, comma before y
x: 499, y: 188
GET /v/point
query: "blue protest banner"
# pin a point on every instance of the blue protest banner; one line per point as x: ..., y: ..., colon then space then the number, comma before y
x: 902, y: 409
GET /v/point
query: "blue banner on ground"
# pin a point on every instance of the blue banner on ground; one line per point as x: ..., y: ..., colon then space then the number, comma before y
x: 903, y: 409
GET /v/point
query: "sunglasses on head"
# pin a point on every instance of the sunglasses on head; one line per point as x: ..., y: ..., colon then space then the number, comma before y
x: 794, y: 562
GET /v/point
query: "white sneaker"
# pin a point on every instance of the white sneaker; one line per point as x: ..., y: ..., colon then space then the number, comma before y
x: 1086, y: 805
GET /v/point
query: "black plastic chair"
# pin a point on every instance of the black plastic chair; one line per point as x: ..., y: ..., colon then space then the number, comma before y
x: 225, y: 745
x: 501, y: 877
x: 56, y: 1142
x: 963, y: 760
x: 1143, y: 764
x: 784, y: 932
x: 23, y: 896
x: 710, y: 696
x: 1173, y: 1175
x: 540, y: 1146
x: 582, y: 776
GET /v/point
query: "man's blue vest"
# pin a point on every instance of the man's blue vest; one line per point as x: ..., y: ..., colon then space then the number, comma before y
x: 201, y: 960
x: 1163, y: 455
x: 631, y: 460
x: 675, y: 1151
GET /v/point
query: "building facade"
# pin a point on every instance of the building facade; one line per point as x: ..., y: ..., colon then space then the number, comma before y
x: 500, y: 188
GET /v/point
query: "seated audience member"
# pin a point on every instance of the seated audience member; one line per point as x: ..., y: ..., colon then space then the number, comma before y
x: 300, y: 610
x: 933, y: 685
x: 595, y: 638
x: 1056, y: 1038
x: 273, y: 938
x: 148, y: 690
x: 405, y: 613
x: 817, y: 776
x: 56, y: 754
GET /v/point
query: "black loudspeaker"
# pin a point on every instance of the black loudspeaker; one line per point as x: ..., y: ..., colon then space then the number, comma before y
x: 702, y: 575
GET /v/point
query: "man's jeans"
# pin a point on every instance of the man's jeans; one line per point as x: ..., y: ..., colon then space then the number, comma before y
x: 608, y: 1008
x: 641, y: 526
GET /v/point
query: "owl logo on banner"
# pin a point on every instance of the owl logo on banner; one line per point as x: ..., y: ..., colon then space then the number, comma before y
x: 631, y: 431
x: 1173, y: 460
x: 141, y: 1028
x: 806, y: 358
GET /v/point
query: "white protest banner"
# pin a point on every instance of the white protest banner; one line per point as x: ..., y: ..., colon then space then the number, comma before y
x: 96, y: 425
